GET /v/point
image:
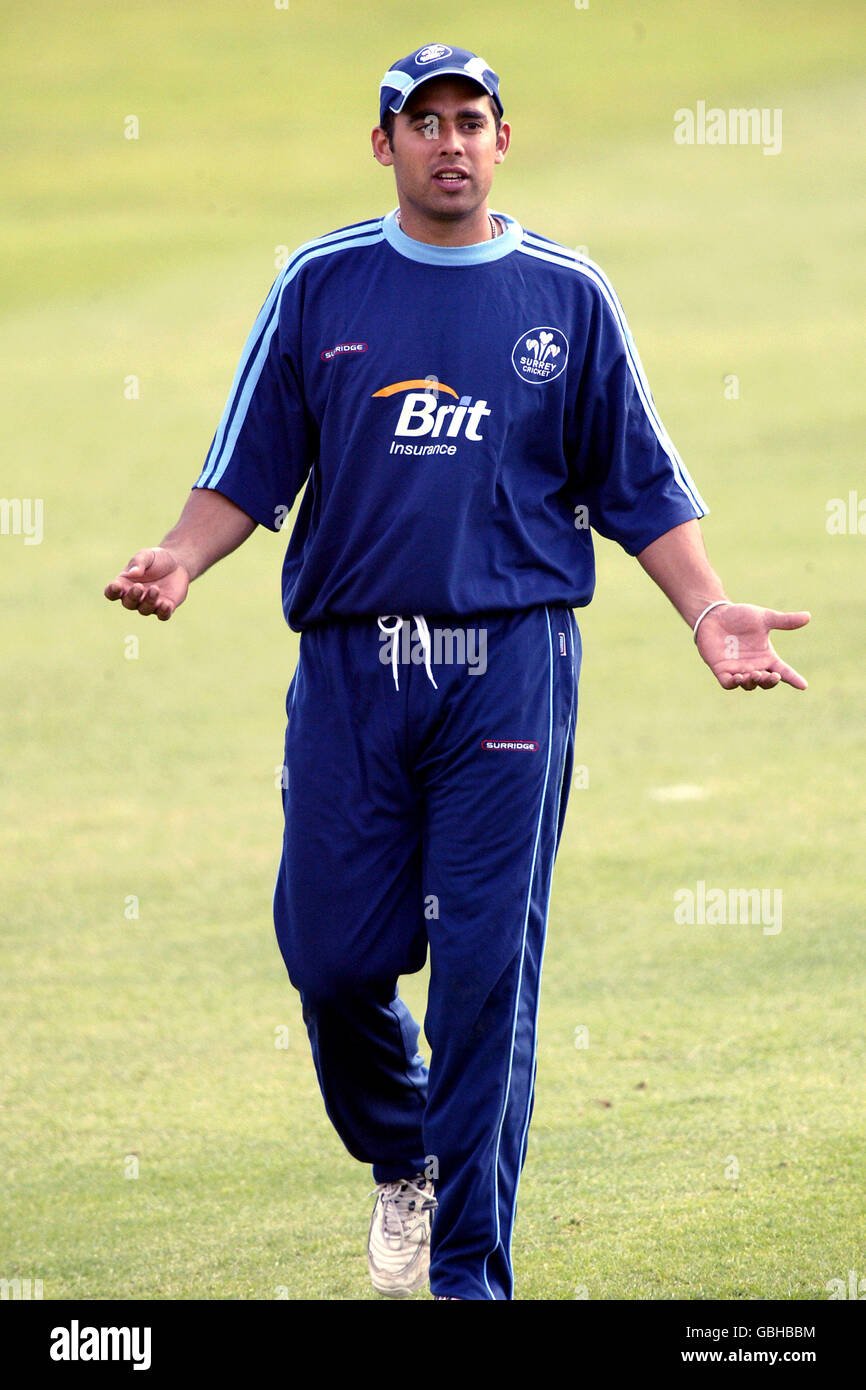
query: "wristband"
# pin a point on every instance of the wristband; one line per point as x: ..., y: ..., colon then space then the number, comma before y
x: 710, y: 606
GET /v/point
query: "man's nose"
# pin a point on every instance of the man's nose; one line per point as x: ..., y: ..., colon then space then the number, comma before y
x: 450, y: 137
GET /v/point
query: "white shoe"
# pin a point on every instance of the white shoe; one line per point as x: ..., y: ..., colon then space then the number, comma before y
x: 398, y: 1248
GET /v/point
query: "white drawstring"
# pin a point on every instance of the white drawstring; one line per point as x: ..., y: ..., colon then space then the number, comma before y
x: 392, y: 632
x: 423, y: 633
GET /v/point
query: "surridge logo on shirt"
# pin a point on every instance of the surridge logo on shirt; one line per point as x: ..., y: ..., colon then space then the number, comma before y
x: 540, y: 355
x: 423, y: 417
x: 340, y: 350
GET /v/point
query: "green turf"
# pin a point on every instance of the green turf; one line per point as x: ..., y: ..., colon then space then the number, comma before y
x: 708, y: 1141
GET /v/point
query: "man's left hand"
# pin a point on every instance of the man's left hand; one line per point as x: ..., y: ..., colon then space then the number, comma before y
x: 735, y: 643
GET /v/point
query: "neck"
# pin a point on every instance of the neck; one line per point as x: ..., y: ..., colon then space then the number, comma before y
x: 460, y: 231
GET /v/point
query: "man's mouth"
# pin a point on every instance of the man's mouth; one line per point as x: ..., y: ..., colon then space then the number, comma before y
x: 451, y: 178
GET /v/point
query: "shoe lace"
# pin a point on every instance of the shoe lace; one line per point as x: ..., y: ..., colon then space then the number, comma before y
x: 403, y: 1204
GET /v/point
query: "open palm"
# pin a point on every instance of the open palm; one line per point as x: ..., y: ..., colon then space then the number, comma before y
x: 735, y: 643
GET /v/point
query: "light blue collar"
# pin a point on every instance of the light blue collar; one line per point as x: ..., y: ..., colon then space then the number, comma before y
x: 477, y: 254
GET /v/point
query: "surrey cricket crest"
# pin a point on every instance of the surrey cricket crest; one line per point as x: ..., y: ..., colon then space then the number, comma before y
x: 540, y: 355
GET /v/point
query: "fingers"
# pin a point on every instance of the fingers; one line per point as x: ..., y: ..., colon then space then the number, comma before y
x: 760, y: 677
x: 148, y: 601
x: 792, y: 677
x: 120, y: 588
x: 136, y: 569
x: 154, y: 602
x: 138, y: 566
x: 144, y: 597
x: 788, y: 620
x: 134, y: 591
x: 761, y: 680
x: 139, y: 596
x: 140, y: 562
x: 749, y: 680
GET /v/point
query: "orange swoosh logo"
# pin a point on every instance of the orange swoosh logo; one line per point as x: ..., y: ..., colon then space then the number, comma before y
x: 415, y: 385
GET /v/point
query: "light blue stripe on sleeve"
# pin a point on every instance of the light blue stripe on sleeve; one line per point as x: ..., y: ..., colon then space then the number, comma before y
x: 532, y: 247
x: 258, y: 342
x: 221, y: 463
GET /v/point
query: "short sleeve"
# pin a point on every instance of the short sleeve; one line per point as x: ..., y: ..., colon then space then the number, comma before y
x: 624, y: 465
x: 265, y: 444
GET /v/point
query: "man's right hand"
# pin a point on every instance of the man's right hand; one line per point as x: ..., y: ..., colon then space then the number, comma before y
x: 157, y: 581
x: 154, y: 581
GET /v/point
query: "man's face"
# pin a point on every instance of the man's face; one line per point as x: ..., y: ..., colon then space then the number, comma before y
x: 445, y: 148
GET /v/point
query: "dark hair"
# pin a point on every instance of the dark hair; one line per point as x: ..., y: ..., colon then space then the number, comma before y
x: 387, y: 122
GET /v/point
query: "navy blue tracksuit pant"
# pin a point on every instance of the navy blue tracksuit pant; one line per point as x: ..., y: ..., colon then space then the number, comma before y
x: 427, y: 817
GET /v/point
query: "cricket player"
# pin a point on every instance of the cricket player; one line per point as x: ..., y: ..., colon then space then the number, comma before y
x: 462, y: 402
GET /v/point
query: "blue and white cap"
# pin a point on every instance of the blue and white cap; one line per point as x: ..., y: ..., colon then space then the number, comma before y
x: 433, y: 60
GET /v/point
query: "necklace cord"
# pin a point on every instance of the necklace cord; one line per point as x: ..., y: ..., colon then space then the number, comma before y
x: 495, y: 229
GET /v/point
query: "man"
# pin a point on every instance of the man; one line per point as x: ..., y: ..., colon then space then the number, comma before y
x: 464, y: 400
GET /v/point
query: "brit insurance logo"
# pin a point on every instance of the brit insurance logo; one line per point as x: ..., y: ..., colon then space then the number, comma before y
x: 424, y: 417
x: 432, y: 52
x: 540, y: 355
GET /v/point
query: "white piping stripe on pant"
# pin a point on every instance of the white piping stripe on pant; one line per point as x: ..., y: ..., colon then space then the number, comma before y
x: 522, y: 958
x: 568, y: 735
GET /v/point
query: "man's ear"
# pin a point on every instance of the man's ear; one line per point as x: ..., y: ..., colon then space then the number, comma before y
x: 381, y: 148
x: 503, y: 140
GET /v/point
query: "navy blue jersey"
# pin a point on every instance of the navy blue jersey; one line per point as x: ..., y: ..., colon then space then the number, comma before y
x: 461, y: 416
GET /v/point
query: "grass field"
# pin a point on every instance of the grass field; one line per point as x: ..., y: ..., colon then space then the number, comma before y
x: 708, y: 1142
